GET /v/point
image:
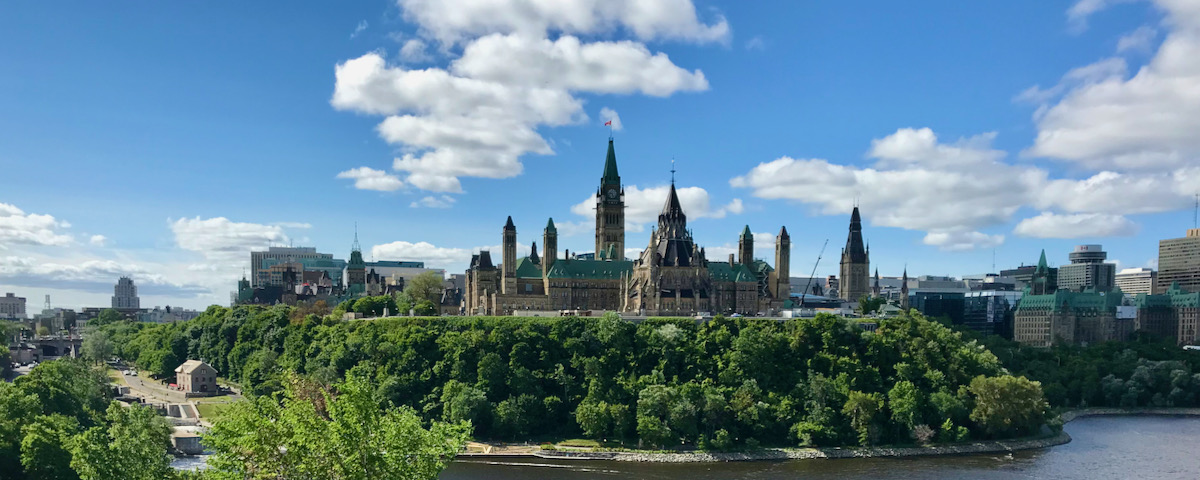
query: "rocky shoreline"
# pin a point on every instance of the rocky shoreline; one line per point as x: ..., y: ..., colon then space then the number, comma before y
x: 999, y: 446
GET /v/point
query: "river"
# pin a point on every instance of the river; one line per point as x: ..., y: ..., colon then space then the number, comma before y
x: 1101, y: 447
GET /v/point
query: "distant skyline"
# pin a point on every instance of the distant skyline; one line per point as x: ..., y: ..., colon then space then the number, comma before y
x: 166, y: 141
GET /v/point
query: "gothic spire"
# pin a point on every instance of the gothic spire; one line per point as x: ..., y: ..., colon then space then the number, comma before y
x: 509, y: 224
x: 550, y: 226
x: 854, y: 241
x: 611, y: 177
x: 746, y: 233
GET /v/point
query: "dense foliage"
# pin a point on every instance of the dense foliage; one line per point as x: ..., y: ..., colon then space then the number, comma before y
x: 721, y: 384
x: 1143, y: 372
x: 338, y: 434
x: 58, y: 422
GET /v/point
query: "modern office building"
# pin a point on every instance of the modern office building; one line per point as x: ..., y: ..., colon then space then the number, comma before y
x: 1137, y: 281
x: 938, y: 304
x: 12, y: 307
x: 1022, y: 275
x: 261, y: 261
x: 1087, y: 270
x: 990, y: 312
x: 1179, y: 262
x: 125, y: 296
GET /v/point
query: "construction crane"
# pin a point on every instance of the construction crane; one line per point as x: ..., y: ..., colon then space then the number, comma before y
x: 814, y: 272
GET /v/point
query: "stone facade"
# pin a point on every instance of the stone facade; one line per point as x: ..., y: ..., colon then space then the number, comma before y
x: 196, y: 377
x: 854, y: 275
x: 671, y: 277
x: 1174, y: 314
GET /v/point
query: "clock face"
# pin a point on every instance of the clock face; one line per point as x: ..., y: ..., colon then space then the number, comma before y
x: 612, y: 193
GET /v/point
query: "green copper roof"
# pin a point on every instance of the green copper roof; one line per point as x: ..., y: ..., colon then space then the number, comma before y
x: 1073, y: 300
x: 550, y: 226
x: 611, y: 177
x: 724, y: 272
x: 746, y: 233
x: 526, y: 268
x: 1041, y: 266
x: 590, y: 269
x: 761, y: 267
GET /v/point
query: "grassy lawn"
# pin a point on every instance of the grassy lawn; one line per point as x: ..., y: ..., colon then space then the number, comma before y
x: 580, y: 443
x: 116, y: 376
x: 212, y: 411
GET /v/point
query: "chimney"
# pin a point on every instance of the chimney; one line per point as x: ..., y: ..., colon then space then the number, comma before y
x: 731, y: 262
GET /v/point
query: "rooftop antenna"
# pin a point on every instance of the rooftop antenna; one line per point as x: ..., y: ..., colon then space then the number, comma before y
x: 356, y: 246
x: 672, y: 170
x: 47, y: 302
x: 1196, y: 211
x: 993, y: 259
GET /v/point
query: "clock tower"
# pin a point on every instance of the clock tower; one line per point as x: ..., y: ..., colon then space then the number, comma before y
x: 610, y: 210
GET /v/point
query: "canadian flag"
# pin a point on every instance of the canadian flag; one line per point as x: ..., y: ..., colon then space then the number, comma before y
x: 608, y: 123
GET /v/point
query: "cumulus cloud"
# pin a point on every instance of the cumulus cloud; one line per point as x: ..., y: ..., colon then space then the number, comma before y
x: 962, y: 240
x: 1118, y: 122
x: 453, y: 21
x: 610, y: 115
x: 642, y: 205
x: 478, y: 116
x: 1078, y: 14
x: 220, y: 239
x: 917, y: 183
x: 441, y: 201
x: 1079, y: 225
x: 94, y: 275
x: 98, y: 240
x: 433, y: 256
x: 367, y: 178
x: 20, y: 228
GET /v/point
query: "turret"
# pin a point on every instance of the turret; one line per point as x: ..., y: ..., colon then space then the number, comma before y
x: 746, y: 247
x: 549, y: 247
x: 510, y: 257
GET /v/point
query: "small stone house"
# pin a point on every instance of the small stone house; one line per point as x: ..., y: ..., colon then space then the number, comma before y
x: 196, y: 377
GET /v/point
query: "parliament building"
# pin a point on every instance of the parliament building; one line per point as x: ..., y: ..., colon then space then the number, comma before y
x: 672, y: 276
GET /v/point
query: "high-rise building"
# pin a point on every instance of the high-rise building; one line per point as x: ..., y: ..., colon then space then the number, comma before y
x: 125, y: 296
x: 854, y: 278
x: 260, y: 262
x: 1179, y: 262
x: 12, y: 307
x: 1134, y: 281
x: 1087, y: 270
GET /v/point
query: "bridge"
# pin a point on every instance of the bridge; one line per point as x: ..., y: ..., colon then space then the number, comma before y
x: 53, y: 346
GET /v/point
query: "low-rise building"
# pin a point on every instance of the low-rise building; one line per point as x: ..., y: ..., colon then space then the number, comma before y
x: 1076, y: 318
x: 196, y: 378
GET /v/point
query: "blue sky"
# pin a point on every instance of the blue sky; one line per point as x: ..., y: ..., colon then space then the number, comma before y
x: 165, y: 140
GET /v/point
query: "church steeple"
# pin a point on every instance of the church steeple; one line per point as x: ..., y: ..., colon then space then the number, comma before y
x: 855, y: 266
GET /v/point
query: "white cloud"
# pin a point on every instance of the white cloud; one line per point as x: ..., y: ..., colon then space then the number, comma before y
x: 19, y: 228
x: 98, y: 240
x: 917, y: 183
x: 610, y: 115
x: 441, y: 201
x: 1079, y: 225
x: 453, y: 21
x: 433, y: 256
x: 567, y: 63
x: 362, y: 25
x: 642, y: 205
x: 297, y: 225
x: 1122, y: 193
x: 1147, y: 121
x: 756, y: 43
x: 478, y: 116
x: 1103, y: 70
x: 222, y: 240
x: 962, y: 240
x: 367, y: 178
x: 414, y: 51
x: 1137, y: 40
x: 1078, y: 14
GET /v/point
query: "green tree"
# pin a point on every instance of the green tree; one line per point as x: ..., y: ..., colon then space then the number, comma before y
x: 862, y: 408
x: 906, y: 402
x: 43, y: 330
x: 1008, y: 405
x: 44, y: 447
x: 425, y: 308
x: 132, y: 446
x: 96, y: 346
x: 107, y: 316
x: 340, y: 436
x: 868, y: 304
x: 17, y: 410
x: 426, y: 286
x: 462, y: 402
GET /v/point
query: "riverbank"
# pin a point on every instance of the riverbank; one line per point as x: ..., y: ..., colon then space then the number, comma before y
x: 969, y: 448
